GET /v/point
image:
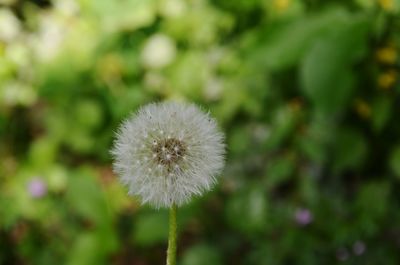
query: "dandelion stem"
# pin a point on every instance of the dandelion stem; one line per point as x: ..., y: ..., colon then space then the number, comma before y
x: 171, y: 252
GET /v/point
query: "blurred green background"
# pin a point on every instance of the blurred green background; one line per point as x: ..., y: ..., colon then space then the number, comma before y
x: 306, y: 91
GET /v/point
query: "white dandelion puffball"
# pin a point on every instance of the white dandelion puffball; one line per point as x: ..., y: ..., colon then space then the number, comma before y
x: 168, y: 152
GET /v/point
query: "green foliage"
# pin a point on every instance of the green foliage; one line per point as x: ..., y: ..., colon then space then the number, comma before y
x: 201, y: 254
x: 151, y: 229
x: 326, y: 69
x: 307, y: 93
x: 286, y: 44
x: 349, y: 151
x: 247, y: 211
x: 394, y: 161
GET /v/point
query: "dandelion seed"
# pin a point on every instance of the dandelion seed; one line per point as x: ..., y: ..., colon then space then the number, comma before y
x: 186, y: 154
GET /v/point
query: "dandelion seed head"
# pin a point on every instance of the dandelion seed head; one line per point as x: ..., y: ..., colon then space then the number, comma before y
x: 178, y: 150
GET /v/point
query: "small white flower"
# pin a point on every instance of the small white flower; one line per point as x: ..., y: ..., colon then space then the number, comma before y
x: 173, y: 8
x: 10, y: 26
x: 168, y: 152
x: 158, y: 51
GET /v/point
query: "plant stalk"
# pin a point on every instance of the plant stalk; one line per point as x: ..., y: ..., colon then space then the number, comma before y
x: 171, y: 252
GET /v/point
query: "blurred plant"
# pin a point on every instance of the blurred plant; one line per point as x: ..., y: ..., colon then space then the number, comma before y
x: 307, y: 92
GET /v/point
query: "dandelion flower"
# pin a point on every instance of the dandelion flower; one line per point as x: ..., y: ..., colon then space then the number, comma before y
x: 168, y: 152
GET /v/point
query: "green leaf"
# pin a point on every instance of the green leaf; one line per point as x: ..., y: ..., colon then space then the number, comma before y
x: 92, y: 247
x: 132, y: 14
x: 85, y: 250
x: 326, y: 75
x: 88, y: 114
x: 239, y: 141
x: 247, y: 211
x: 151, y: 228
x: 317, y: 138
x: 279, y: 170
x: 366, y: 3
x: 381, y: 110
x: 285, y: 45
x: 372, y: 204
x: 85, y: 196
x: 80, y: 140
x: 202, y: 254
x: 350, y: 150
x: 394, y: 161
x: 283, y: 124
x: 189, y: 73
x: 42, y: 152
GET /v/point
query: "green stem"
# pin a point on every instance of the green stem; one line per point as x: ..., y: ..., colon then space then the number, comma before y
x: 171, y: 252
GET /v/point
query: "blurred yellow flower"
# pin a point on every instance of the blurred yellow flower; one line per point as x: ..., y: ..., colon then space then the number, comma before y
x: 110, y: 68
x: 387, y: 79
x: 10, y: 26
x: 281, y: 5
x: 296, y: 104
x: 362, y: 108
x: 387, y: 55
x: 387, y: 5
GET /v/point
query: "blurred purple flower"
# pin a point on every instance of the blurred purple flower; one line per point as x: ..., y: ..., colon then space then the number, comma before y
x: 359, y: 248
x: 342, y: 254
x: 37, y: 188
x: 303, y: 216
